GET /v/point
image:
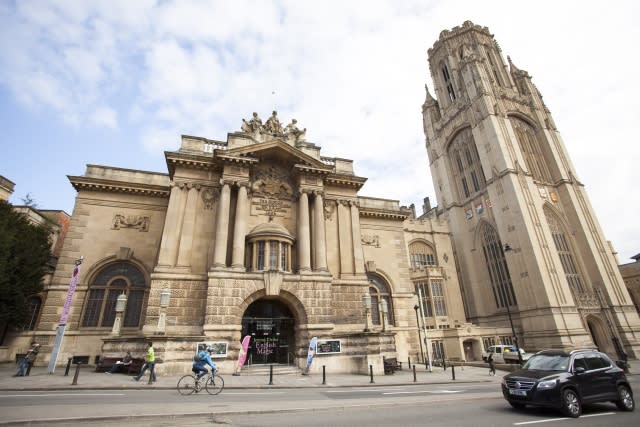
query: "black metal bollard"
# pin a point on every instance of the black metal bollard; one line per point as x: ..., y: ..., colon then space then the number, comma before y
x: 75, y: 375
x: 270, y: 374
x: 409, y: 360
x: 29, y: 365
x: 414, y: 374
x: 453, y: 372
x: 324, y: 376
x: 66, y: 371
x: 444, y: 364
x: 152, y: 373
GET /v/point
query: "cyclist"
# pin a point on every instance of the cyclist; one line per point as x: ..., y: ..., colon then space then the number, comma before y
x: 203, y: 359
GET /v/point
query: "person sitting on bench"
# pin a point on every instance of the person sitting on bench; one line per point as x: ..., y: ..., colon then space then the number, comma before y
x: 121, y: 365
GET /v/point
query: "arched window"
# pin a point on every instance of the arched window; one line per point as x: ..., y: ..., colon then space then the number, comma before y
x: 448, y: 83
x: 379, y: 290
x: 113, y: 280
x: 497, y: 265
x: 269, y: 247
x: 421, y: 254
x: 530, y: 148
x: 563, y: 247
x: 35, y: 304
x: 465, y: 164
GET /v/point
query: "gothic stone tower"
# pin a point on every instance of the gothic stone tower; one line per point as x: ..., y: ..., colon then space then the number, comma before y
x: 529, y: 245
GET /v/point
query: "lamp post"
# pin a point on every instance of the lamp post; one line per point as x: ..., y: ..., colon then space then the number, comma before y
x: 384, y: 309
x: 366, y: 303
x: 164, y: 303
x: 121, y: 304
x: 507, y: 248
x: 416, y: 308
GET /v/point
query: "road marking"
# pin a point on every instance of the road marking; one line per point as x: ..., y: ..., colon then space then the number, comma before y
x: 561, y: 419
x: 63, y: 394
x: 258, y: 393
x: 426, y: 391
x: 353, y: 390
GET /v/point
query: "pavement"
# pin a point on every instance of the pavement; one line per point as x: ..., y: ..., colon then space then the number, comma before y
x: 88, y: 379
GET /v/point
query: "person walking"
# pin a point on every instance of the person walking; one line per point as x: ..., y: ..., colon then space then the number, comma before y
x: 492, y: 366
x: 28, y: 359
x: 149, y: 363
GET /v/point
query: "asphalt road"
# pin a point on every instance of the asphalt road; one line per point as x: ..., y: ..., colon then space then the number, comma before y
x: 436, y: 405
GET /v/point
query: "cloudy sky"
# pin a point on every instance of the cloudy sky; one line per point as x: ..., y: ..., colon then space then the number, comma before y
x: 116, y: 82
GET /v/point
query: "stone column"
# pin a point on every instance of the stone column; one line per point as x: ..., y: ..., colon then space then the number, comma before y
x: 304, y: 235
x: 240, y: 229
x: 222, y: 227
x: 320, y: 244
x: 358, y: 255
x: 344, y: 239
x: 188, y: 227
x: 169, y: 242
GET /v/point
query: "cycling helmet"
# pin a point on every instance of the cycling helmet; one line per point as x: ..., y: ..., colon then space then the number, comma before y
x: 210, y: 349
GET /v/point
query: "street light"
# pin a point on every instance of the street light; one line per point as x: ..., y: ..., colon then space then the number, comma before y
x: 507, y: 248
x: 384, y: 308
x: 416, y: 308
x: 366, y: 302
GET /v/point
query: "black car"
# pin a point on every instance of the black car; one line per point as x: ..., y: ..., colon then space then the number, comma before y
x: 566, y: 380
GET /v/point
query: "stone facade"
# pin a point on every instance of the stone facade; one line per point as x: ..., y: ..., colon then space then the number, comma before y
x: 631, y: 275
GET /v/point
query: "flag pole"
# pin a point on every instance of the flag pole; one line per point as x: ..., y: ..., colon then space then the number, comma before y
x: 65, y: 314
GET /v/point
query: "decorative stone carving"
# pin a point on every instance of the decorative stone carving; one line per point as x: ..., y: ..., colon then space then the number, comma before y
x: 329, y: 209
x: 131, y: 221
x: 273, y: 128
x: 209, y: 197
x: 371, y: 240
x: 272, y: 282
x: 271, y: 192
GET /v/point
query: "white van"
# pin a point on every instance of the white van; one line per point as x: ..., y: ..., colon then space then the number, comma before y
x: 498, y: 352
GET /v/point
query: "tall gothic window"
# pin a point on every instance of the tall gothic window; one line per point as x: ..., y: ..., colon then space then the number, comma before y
x: 379, y: 290
x: 421, y: 254
x: 497, y: 266
x: 115, y: 279
x: 563, y: 247
x: 432, y: 297
x: 530, y: 148
x: 448, y: 83
x: 466, y: 167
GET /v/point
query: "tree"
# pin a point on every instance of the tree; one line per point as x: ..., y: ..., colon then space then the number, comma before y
x: 25, y: 251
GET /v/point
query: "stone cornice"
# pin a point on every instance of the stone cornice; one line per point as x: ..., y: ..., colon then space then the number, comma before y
x: 92, y: 184
x: 345, y: 181
x: 192, y: 161
x: 223, y: 156
x: 383, y: 213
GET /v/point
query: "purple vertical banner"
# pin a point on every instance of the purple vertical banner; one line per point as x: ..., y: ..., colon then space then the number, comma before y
x: 72, y: 289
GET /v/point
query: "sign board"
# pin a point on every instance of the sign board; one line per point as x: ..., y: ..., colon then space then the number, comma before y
x: 329, y: 346
x: 219, y: 348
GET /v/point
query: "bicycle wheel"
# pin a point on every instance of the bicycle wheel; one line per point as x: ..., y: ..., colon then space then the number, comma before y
x: 214, y: 384
x: 187, y: 385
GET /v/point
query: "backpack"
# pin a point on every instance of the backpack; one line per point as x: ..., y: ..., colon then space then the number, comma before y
x: 196, y: 358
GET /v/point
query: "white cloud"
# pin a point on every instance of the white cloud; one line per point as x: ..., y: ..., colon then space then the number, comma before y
x: 351, y: 72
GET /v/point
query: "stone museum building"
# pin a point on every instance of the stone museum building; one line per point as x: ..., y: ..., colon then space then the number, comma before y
x: 261, y: 234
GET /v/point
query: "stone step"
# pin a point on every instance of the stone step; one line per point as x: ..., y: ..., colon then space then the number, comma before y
x: 264, y: 370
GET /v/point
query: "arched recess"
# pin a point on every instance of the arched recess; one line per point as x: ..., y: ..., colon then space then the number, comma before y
x: 599, y: 335
x: 107, y: 279
x: 273, y: 324
x: 535, y: 155
x: 496, y: 270
x: 565, y: 248
x: 380, y: 290
x: 464, y: 164
x: 422, y: 253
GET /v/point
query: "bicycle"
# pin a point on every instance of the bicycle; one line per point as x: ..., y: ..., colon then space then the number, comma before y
x: 189, y: 384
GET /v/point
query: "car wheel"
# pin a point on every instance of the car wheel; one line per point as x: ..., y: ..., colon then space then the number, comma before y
x: 571, y: 406
x: 517, y: 405
x: 625, y: 399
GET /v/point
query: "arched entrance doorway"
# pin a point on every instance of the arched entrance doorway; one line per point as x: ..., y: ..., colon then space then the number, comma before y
x: 599, y: 335
x: 271, y: 326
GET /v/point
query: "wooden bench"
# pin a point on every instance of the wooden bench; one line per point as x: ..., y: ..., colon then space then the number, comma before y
x: 106, y: 363
x: 391, y: 365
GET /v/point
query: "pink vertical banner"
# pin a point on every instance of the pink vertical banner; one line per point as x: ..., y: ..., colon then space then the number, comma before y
x: 242, y: 357
x: 72, y: 289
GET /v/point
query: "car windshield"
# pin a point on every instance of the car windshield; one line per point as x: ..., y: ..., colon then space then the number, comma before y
x: 547, y: 362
